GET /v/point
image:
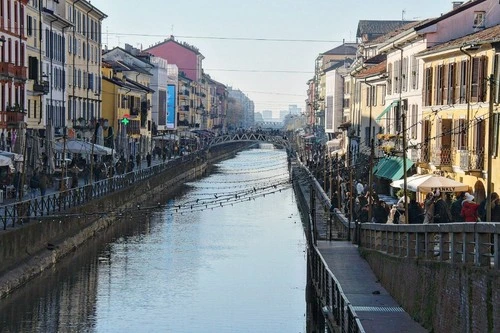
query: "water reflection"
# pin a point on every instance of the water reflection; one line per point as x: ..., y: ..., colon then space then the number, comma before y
x: 188, y: 268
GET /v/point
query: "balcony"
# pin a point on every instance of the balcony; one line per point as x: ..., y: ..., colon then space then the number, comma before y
x: 41, y: 89
x: 20, y: 73
x: 472, y: 160
x: 441, y: 156
x: 11, y: 119
x: 7, y: 70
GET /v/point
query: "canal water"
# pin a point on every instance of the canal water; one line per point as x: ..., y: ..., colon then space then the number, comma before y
x: 227, y: 255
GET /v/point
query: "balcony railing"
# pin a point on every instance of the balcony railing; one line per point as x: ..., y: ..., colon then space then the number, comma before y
x: 471, y: 160
x: 441, y: 156
x: 11, y: 119
x: 20, y: 72
x: 42, y: 88
x: 7, y: 69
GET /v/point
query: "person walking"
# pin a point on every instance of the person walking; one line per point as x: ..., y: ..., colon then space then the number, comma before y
x: 429, y: 208
x: 138, y: 161
x: 34, y: 184
x: 43, y: 182
x: 469, y: 208
x: 148, y: 159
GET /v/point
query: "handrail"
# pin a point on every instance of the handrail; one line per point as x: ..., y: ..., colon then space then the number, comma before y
x: 58, y: 202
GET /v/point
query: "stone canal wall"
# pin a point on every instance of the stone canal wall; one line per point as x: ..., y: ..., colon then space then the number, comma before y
x: 28, y: 250
x: 445, y: 297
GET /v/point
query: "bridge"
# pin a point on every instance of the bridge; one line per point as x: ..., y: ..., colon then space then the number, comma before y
x: 275, y: 125
x: 277, y: 140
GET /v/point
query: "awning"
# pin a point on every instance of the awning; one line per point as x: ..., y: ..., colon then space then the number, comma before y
x: 392, y: 167
x: 387, y: 109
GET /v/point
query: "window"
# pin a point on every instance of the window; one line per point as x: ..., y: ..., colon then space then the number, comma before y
x: 460, y: 131
x: 439, y: 91
x: 29, y: 28
x: 479, y: 20
x: 33, y: 68
x: 414, y: 121
x: 414, y: 72
x: 428, y: 86
x: 496, y: 75
x: 452, y: 77
x: 479, y: 72
x: 462, y: 81
x: 389, y: 79
x: 404, y: 74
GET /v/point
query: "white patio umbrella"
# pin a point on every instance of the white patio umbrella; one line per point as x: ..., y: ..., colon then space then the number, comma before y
x: 430, y: 183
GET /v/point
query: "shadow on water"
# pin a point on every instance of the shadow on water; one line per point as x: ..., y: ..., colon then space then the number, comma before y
x: 42, y: 304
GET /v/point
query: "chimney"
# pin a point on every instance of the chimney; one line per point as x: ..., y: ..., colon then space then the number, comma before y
x: 457, y: 4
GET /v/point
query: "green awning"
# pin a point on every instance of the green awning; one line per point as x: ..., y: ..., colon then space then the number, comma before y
x: 387, y: 109
x: 391, y: 167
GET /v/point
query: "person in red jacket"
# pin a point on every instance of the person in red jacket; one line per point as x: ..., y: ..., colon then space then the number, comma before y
x: 469, y: 208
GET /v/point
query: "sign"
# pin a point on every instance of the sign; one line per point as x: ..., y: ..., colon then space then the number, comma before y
x: 125, y: 120
x: 171, y: 106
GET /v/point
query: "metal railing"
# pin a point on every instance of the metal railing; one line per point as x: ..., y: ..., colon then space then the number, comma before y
x: 58, y: 202
x: 475, y: 244
x: 336, y: 306
x: 471, y: 160
x: 441, y: 155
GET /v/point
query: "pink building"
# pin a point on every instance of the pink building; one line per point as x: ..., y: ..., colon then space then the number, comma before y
x: 187, y: 57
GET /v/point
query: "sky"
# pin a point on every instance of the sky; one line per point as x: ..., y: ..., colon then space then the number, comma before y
x: 264, y: 48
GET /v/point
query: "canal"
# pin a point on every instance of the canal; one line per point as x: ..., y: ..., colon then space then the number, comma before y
x: 226, y: 255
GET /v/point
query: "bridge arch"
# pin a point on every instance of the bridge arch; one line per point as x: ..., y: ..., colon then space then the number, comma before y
x: 249, y: 137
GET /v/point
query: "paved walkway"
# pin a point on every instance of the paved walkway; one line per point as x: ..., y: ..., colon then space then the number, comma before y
x: 375, y: 307
x: 54, y: 188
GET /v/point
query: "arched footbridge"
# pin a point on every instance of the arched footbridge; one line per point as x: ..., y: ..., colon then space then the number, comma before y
x: 277, y: 140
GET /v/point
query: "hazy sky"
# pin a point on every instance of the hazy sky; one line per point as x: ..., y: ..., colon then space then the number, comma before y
x: 227, y: 33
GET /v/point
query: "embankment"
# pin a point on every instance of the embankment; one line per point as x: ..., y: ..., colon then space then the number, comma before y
x: 39, y: 244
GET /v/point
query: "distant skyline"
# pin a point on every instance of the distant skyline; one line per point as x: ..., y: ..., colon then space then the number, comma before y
x: 265, y: 49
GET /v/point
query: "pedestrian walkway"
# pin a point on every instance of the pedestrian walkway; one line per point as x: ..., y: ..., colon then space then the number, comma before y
x: 374, y: 306
x: 54, y: 187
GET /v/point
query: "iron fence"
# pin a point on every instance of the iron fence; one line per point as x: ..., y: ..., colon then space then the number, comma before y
x: 56, y: 203
x: 336, y: 306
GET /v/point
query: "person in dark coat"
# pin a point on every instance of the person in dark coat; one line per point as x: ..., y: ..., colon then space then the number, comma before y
x: 415, y: 212
x: 495, y: 207
x: 441, y: 213
x: 456, y: 208
x: 148, y: 159
x: 380, y: 214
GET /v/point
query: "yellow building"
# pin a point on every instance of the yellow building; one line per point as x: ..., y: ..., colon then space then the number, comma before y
x: 125, y: 112
x: 83, y: 60
x: 456, y: 110
x: 36, y: 85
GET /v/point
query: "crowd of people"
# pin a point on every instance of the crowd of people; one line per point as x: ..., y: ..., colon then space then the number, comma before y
x: 437, y: 207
